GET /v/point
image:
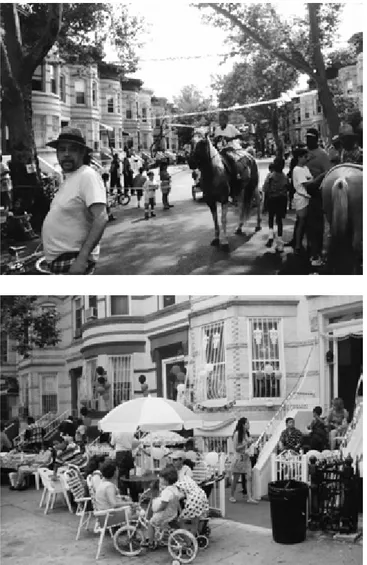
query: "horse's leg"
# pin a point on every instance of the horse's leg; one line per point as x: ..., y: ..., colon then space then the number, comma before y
x: 258, y: 209
x: 241, y: 212
x: 225, y: 245
x: 216, y: 240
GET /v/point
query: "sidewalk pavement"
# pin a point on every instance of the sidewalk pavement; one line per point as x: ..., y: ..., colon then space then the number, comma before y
x: 29, y: 536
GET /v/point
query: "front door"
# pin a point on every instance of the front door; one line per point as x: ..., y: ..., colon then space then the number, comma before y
x: 350, y: 352
x: 174, y: 373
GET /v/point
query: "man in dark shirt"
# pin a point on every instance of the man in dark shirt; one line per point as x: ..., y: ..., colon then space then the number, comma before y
x: 291, y: 438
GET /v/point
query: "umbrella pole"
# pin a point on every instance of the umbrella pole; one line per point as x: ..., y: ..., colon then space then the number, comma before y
x: 151, y: 453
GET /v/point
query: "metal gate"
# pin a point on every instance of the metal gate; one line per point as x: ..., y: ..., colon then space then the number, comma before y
x: 120, y: 371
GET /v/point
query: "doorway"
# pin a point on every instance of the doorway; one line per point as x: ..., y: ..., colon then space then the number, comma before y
x: 350, y: 360
x: 174, y: 373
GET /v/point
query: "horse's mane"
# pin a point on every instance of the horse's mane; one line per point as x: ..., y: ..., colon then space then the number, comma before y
x: 214, y: 155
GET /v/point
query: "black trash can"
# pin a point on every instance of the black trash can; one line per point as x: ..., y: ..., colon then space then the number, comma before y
x: 288, y: 509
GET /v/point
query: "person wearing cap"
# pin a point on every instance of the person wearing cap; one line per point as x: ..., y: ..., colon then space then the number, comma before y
x: 351, y: 152
x: 149, y: 188
x: 6, y: 188
x: 77, y: 218
x: 319, y: 164
x: 178, y: 458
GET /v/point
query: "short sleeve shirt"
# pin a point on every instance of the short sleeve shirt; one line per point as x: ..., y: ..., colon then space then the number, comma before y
x: 300, y: 176
x: 67, y: 225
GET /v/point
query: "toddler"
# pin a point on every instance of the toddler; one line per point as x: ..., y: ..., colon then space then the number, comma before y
x: 149, y: 195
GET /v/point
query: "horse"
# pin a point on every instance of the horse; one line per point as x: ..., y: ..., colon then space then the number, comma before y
x: 220, y: 173
x: 342, y: 190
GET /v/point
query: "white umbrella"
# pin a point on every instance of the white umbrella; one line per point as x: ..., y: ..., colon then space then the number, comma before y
x: 150, y: 414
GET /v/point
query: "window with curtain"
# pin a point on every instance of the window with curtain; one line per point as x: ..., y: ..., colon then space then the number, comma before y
x: 119, y: 305
x: 144, y: 114
x: 80, y: 87
x: 129, y: 113
x: 213, y: 359
x: 53, y: 82
x: 110, y: 105
x: 266, y: 344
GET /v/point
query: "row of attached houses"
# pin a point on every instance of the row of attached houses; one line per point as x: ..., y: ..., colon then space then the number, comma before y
x: 236, y: 355
x: 110, y: 111
x: 305, y: 111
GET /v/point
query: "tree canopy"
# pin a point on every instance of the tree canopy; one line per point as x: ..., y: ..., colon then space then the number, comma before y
x: 27, y: 325
x: 191, y: 100
x: 298, y: 41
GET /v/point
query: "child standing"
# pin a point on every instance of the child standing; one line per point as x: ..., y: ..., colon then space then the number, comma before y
x: 165, y: 185
x: 149, y: 195
x: 166, y: 506
x: 276, y: 191
x: 301, y: 175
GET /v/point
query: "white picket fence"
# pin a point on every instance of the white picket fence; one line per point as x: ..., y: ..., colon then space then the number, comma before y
x: 289, y: 465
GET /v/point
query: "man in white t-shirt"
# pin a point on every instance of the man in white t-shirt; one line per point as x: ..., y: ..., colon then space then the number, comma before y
x: 301, y: 175
x: 226, y: 135
x: 124, y: 443
x: 77, y: 218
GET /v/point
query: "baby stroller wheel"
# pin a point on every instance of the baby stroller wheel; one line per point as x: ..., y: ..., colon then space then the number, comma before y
x: 203, y: 542
x: 176, y: 562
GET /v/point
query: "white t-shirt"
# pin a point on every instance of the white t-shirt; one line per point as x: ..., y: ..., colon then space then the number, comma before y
x: 300, y: 175
x: 123, y: 441
x: 229, y: 131
x: 67, y: 225
x: 136, y: 162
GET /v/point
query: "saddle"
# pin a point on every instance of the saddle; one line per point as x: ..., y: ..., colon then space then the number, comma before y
x: 237, y: 163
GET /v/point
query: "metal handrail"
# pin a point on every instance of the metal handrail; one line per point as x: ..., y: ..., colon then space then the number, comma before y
x: 285, y: 406
x: 358, y: 411
x: 40, y: 420
x: 54, y: 424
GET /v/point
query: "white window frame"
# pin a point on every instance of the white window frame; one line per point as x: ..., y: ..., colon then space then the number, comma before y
x: 111, y: 99
x: 95, y: 313
x: 74, y: 309
x: 109, y: 305
x: 41, y: 377
x: 264, y: 399
x: 81, y: 80
x: 110, y: 376
x: 24, y: 380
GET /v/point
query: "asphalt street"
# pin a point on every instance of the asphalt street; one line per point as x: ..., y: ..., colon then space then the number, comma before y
x: 177, y: 241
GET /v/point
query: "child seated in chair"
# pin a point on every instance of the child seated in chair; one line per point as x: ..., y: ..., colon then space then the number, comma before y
x: 166, y: 506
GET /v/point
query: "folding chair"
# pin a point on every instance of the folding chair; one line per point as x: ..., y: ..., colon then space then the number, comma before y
x: 102, y: 517
x: 51, y: 489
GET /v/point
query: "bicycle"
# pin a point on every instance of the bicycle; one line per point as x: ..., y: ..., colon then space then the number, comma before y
x: 117, y: 199
x: 182, y: 545
x: 34, y: 263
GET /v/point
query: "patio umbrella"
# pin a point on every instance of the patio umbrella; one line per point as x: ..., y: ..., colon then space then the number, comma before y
x: 150, y: 414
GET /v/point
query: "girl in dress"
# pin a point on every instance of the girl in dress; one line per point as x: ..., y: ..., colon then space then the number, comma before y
x: 242, y: 463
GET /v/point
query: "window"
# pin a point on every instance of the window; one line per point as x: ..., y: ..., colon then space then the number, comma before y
x: 112, y: 138
x: 129, y: 113
x: 24, y: 388
x: 53, y: 83
x: 145, y: 141
x: 92, y: 302
x: 39, y: 128
x: 144, y: 114
x: 94, y: 94
x: 350, y: 87
x: 168, y: 301
x: 157, y: 122
x: 80, y: 92
x: 38, y: 79
x: 91, y: 383
x: 265, y: 357
x: 120, y: 373
x: 213, y: 358
x: 119, y: 305
x: 78, y: 317
x: 110, y: 105
x: 119, y: 137
x: 55, y: 125
x: 118, y: 98
x: 4, y: 347
x: 49, y: 393
x: 62, y: 88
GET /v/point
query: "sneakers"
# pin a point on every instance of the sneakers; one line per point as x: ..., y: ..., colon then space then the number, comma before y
x: 258, y: 228
x: 252, y: 501
x: 316, y: 262
x: 152, y: 215
x: 232, y: 499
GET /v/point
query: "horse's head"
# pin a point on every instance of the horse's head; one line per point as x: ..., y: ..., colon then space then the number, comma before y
x: 201, y: 150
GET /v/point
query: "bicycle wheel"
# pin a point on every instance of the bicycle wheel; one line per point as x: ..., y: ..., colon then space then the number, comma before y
x: 182, y: 545
x: 125, y: 199
x: 128, y: 539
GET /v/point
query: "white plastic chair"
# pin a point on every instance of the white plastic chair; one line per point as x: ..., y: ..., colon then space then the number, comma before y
x: 76, y: 484
x: 51, y: 489
x: 102, y: 517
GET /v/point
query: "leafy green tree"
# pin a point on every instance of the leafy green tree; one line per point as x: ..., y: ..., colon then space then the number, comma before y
x: 28, y: 33
x: 191, y: 100
x: 259, y: 77
x: 298, y: 42
x: 29, y: 327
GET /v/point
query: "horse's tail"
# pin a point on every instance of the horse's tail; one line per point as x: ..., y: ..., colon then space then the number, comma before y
x: 339, y: 199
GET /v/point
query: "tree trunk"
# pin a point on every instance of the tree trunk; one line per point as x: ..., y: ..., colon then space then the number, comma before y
x: 24, y: 166
x: 328, y: 106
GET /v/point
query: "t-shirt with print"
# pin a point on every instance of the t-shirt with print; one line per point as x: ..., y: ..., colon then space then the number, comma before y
x: 300, y: 176
x: 69, y: 220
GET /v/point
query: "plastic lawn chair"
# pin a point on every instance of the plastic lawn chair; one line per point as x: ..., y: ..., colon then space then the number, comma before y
x: 77, y: 484
x: 102, y: 517
x: 51, y: 489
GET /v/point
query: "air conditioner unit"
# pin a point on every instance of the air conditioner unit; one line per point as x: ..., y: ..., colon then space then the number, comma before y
x: 91, y: 314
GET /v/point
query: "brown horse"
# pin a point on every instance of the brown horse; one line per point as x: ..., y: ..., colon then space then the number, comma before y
x: 219, y: 174
x: 342, y: 190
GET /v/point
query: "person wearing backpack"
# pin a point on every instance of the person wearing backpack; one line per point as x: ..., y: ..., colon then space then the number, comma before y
x: 276, y: 194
